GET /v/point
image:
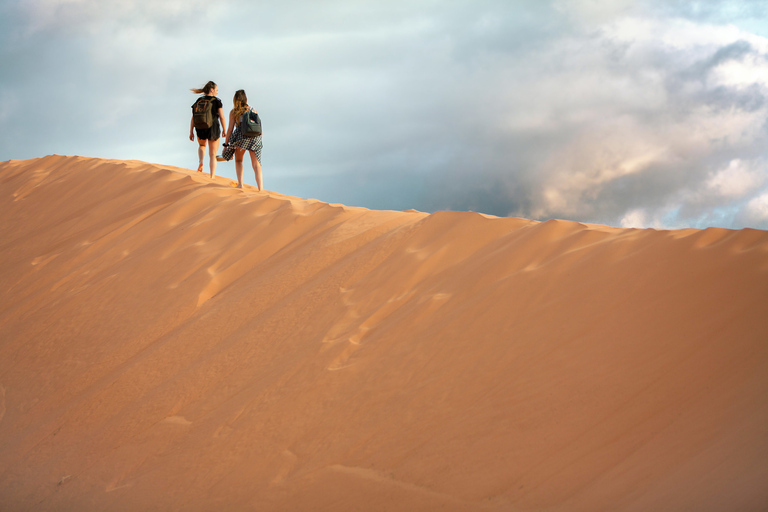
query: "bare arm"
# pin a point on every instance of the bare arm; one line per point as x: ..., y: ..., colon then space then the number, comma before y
x: 191, y: 126
x: 231, y: 126
x: 221, y: 118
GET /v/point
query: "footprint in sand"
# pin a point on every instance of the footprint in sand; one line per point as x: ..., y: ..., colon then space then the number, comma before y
x: 288, y: 462
x: 177, y: 420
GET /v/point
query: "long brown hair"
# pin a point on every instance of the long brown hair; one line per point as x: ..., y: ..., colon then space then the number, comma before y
x: 240, y: 102
x: 207, y: 88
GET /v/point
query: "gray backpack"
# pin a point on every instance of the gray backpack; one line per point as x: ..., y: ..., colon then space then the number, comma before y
x: 250, y: 124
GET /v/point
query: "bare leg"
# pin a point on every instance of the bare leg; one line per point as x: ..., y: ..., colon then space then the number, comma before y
x: 212, y: 148
x: 257, y: 170
x: 200, y: 154
x: 239, y: 154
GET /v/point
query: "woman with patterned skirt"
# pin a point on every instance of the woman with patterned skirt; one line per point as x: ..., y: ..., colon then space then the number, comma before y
x: 237, y: 143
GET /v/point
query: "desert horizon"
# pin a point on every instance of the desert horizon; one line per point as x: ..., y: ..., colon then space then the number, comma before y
x: 168, y: 342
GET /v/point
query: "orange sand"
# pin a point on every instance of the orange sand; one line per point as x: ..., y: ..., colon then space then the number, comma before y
x: 172, y: 343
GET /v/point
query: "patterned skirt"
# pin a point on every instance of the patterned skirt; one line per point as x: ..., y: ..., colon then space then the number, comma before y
x: 248, y: 143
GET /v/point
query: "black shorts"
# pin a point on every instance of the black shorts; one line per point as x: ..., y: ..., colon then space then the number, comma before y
x: 212, y: 133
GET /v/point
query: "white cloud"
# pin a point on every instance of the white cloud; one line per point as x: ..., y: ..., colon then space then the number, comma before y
x: 593, y: 11
x: 686, y: 118
x: 757, y: 208
x: 736, y: 180
x: 753, y: 69
x: 637, y: 218
x: 93, y: 16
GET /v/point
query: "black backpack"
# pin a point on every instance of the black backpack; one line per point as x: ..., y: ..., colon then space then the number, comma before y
x: 250, y: 124
x: 202, y: 112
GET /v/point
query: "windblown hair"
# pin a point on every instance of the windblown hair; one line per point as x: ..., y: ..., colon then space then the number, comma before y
x: 207, y: 88
x: 240, y: 102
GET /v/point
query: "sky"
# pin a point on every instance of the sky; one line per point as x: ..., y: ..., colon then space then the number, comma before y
x: 642, y: 113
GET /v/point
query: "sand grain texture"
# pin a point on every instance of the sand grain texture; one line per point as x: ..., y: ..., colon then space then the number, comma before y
x: 171, y: 343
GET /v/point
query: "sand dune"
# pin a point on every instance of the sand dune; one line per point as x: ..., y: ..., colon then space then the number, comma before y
x: 172, y: 343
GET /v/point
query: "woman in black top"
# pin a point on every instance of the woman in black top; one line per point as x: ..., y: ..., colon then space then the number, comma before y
x: 209, y: 90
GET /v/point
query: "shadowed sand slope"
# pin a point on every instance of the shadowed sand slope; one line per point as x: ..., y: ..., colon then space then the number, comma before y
x: 168, y: 342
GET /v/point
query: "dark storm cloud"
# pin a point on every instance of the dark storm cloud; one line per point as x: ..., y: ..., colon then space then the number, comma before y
x: 596, y: 111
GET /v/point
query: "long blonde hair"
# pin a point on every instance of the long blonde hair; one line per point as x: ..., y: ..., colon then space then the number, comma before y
x: 240, y: 102
x: 207, y: 88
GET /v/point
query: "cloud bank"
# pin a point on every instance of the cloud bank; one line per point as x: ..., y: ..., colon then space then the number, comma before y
x: 639, y: 114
